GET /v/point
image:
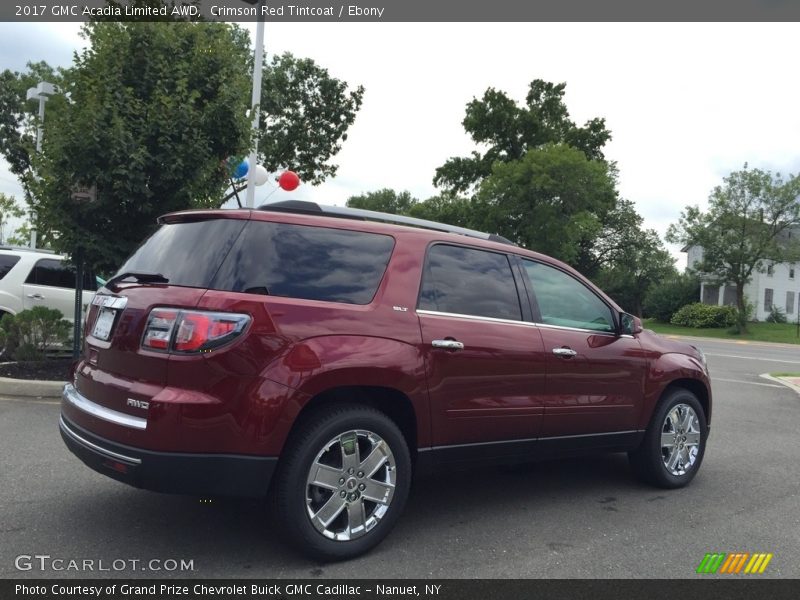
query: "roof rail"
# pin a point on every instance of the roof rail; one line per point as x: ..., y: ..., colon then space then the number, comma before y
x: 26, y: 249
x: 312, y: 208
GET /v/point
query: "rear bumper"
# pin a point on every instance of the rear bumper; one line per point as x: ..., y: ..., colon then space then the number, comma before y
x: 171, y: 472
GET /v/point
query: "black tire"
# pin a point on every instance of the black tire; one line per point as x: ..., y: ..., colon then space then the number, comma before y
x: 294, y: 498
x: 649, y: 461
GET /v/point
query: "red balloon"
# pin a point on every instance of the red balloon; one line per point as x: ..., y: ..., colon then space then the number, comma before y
x: 288, y: 181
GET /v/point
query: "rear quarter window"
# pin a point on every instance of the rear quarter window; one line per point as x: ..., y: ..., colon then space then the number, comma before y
x: 7, y: 262
x: 312, y: 263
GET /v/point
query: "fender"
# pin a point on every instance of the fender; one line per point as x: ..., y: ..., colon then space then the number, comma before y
x: 322, y: 363
x: 667, y: 368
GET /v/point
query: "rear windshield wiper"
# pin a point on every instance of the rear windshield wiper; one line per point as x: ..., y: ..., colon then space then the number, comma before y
x: 140, y: 276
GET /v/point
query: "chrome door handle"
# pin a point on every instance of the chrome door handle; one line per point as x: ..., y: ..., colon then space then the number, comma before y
x: 447, y: 344
x: 564, y: 352
x: 36, y: 296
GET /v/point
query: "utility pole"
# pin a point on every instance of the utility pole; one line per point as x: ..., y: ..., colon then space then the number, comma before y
x: 41, y: 93
x: 255, y: 108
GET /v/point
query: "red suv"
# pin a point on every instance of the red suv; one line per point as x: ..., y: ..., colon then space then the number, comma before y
x: 320, y: 356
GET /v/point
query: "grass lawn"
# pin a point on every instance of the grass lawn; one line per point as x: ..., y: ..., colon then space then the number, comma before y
x: 757, y: 332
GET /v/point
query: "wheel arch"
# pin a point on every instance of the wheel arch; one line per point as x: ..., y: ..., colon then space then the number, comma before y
x: 390, y: 401
x: 698, y: 388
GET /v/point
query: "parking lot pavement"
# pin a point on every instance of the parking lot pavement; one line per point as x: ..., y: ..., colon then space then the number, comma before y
x: 573, y: 518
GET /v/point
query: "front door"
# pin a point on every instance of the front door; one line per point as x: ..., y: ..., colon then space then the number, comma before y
x: 595, y: 377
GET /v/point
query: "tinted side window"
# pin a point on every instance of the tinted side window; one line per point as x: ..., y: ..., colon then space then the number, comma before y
x: 565, y: 301
x: 54, y: 273
x: 7, y: 262
x: 468, y: 281
x: 298, y: 261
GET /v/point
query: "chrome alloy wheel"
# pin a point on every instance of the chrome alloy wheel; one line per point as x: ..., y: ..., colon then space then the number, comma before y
x: 350, y: 485
x: 680, y: 439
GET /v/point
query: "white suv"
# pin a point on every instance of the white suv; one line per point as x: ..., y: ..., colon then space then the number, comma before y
x: 31, y: 278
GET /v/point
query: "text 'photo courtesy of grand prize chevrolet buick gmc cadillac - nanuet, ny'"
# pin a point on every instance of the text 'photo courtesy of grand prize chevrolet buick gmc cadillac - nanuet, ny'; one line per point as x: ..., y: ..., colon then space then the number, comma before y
x: 320, y: 356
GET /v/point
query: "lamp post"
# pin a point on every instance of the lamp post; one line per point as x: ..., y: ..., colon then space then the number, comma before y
x: 258, y: 63
x: 41, y: 93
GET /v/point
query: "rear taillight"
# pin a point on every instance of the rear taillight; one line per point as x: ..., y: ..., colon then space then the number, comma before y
x: 191, y: 331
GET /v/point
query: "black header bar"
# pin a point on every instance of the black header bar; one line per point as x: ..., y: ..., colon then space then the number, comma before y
x: 405, y: 10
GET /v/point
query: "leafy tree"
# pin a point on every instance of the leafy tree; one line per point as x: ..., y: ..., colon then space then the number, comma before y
x: 664, y: 298
x: 8, y: 209
x: 148, y: 115
x: 747, y: 223
x: 554, y: 200
x: 447, y: 208
x: 444, y: 208
x: 305, y: 115
x: 153, y: 110
x: 385, y: 200
x: 510, y: 132
x: 636, y: 270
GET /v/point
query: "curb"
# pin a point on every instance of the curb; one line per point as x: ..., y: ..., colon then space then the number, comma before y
x: 782, y: 380
x: 31, y: 388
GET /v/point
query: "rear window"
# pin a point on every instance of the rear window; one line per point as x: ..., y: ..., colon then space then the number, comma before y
x: 187, y: 254
x: 276, y: 259
x: 7, y: 262
x: 298, y: 261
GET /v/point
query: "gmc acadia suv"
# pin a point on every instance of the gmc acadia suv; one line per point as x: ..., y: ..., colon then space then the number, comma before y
x: 320, y: 356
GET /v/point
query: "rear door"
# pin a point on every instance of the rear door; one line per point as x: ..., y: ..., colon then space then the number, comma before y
x: 595, y: 378
x: 484, y: 359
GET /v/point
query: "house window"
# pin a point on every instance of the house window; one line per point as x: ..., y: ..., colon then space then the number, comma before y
x: 770, y: 270
x: 789, y: 303
x: 791, y: 272
x: 768, y: 299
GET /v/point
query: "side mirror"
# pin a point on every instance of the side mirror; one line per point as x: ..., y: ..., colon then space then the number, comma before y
x: 629, y: 325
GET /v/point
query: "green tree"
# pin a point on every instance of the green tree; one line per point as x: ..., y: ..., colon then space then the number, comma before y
x: 8, y: 209
x: 636, y: 270
x: 153, y: 110
x: 554, y: 200
x: 443, y: 208
x: 447, y: 208
x: 746, y: 225
x: 305, y: 115
x: 148, y: 114
x: 385, y: 200
x: 664, y: 298
x: 509, y: 132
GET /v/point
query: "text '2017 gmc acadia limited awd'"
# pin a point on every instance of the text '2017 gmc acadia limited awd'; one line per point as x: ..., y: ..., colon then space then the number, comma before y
x: 318, y: 357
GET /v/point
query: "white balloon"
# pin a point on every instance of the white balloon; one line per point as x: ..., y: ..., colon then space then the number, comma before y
x: 261, y: 175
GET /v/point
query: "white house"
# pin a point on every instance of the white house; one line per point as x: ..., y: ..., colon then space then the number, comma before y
x: 778, y: 286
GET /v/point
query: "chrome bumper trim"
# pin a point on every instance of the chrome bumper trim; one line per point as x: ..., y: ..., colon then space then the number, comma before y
x: 99, y: 449
x: 72, y: 396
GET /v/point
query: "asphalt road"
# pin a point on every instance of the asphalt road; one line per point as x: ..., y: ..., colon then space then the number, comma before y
x: 574, y: 518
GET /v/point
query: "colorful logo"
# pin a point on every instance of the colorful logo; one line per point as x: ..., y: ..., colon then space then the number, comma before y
x: 734, y: 563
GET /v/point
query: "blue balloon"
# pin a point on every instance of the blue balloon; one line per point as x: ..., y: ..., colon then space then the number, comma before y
x: 241, y: 169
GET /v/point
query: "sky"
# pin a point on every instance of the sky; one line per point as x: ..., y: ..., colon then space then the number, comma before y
x: 686, y: 103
